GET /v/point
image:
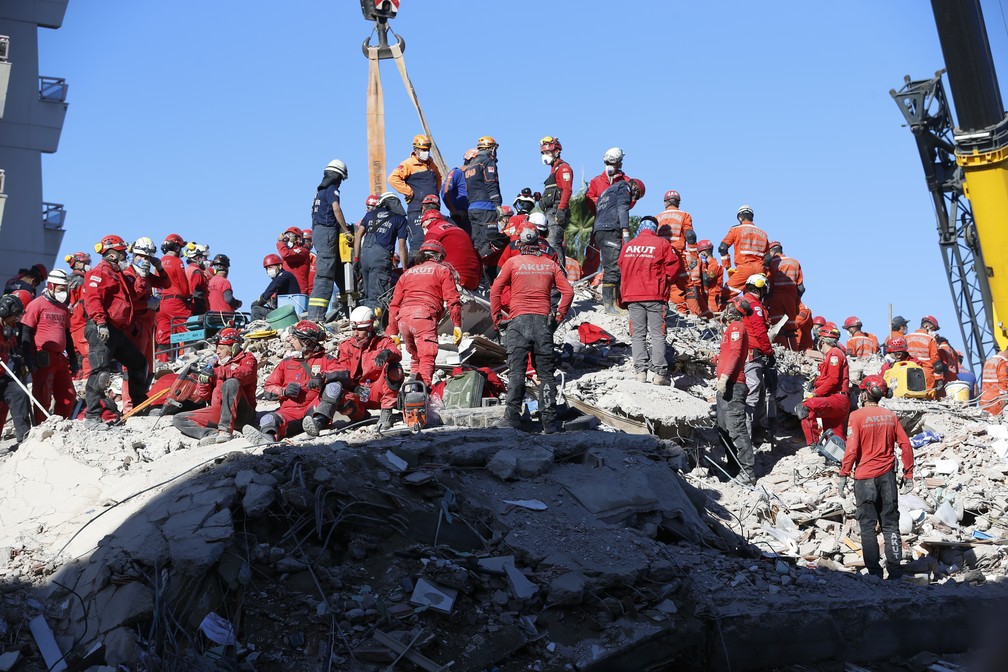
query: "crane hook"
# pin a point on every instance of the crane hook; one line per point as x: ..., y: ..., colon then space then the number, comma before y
x: 384, y: 49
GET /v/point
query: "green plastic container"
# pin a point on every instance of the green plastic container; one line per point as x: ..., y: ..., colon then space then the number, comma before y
x: 284, y: 316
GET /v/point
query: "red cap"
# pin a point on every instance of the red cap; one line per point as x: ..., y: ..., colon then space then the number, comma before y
x: 371, y: 201
x: 705, y: 245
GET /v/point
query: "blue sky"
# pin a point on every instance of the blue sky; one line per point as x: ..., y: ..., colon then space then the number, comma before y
x: 214, y: 120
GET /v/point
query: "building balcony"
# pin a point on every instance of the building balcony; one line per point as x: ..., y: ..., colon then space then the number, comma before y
x: 5, y: 69
x: 53, y: 216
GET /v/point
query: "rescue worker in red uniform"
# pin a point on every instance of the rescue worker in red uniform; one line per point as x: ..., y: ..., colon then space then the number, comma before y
x: 295, y: 254
x: 174, y: 307
x: 556, y: 195
x: 458, y: 247
x: 787, y: 285
x: 711, y: 278
x: 859, y: 343
x: 530, y: 326
x: 415, y: 178
x: 373, y: 368
x: 195, y: 255
x: 80, y: 263
x: 219, y: 291
x: 13, y: 397
x: 994, y: 383
x: 752, y: 249
x: 830, y: 401
x: 229, y: 385
x: 45, y: 335
x: 142, y: 281
x: 648, y: 265
x: 896, y: 351
x: 418, y: 304
x: 760, y: 405
x: 873, y: 434
x: 732, y: 392
x: 306, y: 235
x: 108, y: 299
x: 924, y: 348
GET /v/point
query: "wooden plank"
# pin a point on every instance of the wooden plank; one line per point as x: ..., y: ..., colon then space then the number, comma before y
x: 626, y: 424
x: 414, y: 657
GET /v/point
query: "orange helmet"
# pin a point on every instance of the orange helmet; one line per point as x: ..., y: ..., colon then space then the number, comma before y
x: 486, y: 142
x: 421, y: 142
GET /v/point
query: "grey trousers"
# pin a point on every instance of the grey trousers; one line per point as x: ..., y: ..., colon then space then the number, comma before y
x: 731, y: 419
x: 647, y: 318
x: 755, y: 400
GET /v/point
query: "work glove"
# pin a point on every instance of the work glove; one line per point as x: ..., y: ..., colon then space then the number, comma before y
x: 293, y: 390
x: 397, y: 340
x: 457, y: 335
x: 315, y: 382
x: 626, y: 235
x: 841, y: 486
x: 204, y: 378
x: 103, y: 332
x: 563, y: 217
x: 382, y: 357
x: 906, y: 482
x: 722, y: 383
x: 801, y: 411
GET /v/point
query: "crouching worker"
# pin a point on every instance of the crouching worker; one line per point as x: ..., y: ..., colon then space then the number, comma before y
x: 374, y: 372
x: 230, y: 388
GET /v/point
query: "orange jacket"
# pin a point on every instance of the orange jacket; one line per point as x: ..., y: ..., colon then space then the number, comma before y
x: 679, y: 222
x: 923, y: 347
x: 862, y: 344
x: 750, y: 242
x: 397, y: 178
x: 994, y: 391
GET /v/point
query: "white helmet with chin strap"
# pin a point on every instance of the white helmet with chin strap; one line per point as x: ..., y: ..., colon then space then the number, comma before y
x: 613, y: 156
x: 338, y: 167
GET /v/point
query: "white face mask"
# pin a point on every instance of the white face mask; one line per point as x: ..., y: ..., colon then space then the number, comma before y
x: 422, y: 154
x: 547, y: 159
x: 142, y: 266
x: 123, y: 265
x: 610, y: 170
x: 61, y: 295
x: 272, y: 271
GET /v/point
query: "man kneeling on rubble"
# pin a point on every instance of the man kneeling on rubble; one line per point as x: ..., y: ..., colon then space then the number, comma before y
x: 230, y: 387
x: 872, y: 436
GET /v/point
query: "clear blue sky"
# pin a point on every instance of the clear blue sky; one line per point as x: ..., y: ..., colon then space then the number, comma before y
x: 215, y: 119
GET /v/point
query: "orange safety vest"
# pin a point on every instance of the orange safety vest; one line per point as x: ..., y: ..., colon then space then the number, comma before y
x: 994, y: 384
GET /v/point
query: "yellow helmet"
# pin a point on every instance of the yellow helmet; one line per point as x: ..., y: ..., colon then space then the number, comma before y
x: 486, y: 142
x: 421, y: 142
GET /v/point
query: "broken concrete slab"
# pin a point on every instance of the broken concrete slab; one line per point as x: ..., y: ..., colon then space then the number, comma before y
x: 521, y: 587
x: 432, y: 595
x: 257, y: 499
x: 568, y: 588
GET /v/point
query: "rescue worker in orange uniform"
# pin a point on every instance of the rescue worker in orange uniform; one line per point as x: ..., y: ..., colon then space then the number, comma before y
x: 860, y: 343
x: 418, y: 304
x: 752, y: 249
x: 648, y: 264
x: 556, y: 195
x: 295, y: 254
x: 459, y: 251
x: 830, y: 401
x: 80, y: 263
x: 415, y: 178
x: 949, y: 360
x: 683, y: 283
x: 229, y: 385
x: 731, y: 391
x: 994, y: 383
x: 174, y: 307
x: 803, y: 330
x: 896, y: 351
x: 787, y: 285
x: 373, y: 367
x: 45, y: 335
x: 899, y: 327
x: 924, y: 348
x: 711, y: 278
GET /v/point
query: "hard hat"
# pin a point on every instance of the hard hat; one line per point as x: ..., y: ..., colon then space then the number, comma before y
x: 421, y: 142
x: 272, y: 260
x: 757, y: 280
x: 875, y: 386
x: 899, y: 321
x: 776, y: 243
x: 741, y: 305
x: 306, y: 234
x: 221, y: 260
x: 338, y: 167
x: 78, y: 258
x: 538, y: 220
x: 295, y: 230
x: 433, y: 247
x: 11, y: 305
x: 523, y: 202
x: 818, y: 320
x: 852, y: 321
x: 613, y: 156
x: 24, y: 296
x: 829, y: 330
x: 672, y: 195
x: 430, y: 216
x: 372, y: 201
x: 57, y: 277
x: 195, y: 251
x: 705, y: 246
x: 308, y: 332
x: 550, y: 144
x: 640, y: 187
x: 930, y: 319
x: 896, y: 344
x: 744, y: 209
x: 506, y: 211
x: 387, y: 196
x: 172, y: 243
x: 228, y: 336
x: 528, y: 237
x: 110, y: 242
x: 431, y: 199
x: 362, y: 317
x: 144, y: 245
x: 470, y: 154
x: 486, y: 142
x: 39, y: 272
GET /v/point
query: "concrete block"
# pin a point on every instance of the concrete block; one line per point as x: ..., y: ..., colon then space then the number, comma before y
x: 257, y: 499
x: 504, y: 465
x: 521, y: 587
x: 472, y: 417
x: 568, y: 588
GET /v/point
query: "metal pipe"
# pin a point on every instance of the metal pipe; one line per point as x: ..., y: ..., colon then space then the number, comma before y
x: 25, y: 388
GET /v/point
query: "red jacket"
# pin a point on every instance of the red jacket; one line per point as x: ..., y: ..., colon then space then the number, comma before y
x: 459, y: 252
x: 834, y: 376
x: 297, y: 261
x: 142, y: 289
x: 994, y: 383
x: 358, y: 359
x: 756, y: 326
x: 599, y: 184
x: 298, y: 370
x: 563, y: 176
x: 425, y: 288
x: 78, y: 316
x: 216, y: 286
x: 242, y: 366
x: 178, y: 280
x: 197, y: 279
x: 648, y: 265
x: 734, y: 352
x: 531, y: 279
x: 108, y: 298
x: 872, y: 434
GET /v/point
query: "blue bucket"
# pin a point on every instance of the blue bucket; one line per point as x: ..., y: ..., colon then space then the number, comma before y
x: 299, y: 301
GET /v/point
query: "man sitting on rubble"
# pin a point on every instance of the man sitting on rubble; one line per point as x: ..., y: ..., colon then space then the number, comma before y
x: 229, y: 384
x: 373, y: 369
x: 732, y: 391
x: 829, y: 400
x: 873, y: 434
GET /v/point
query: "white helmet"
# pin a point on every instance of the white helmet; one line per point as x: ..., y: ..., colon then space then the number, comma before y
x: 745, y: 208
x: 144, y: 245
x: 57, y: 277
x: 387, y: 196
x: 538, y: 220
x: 613, y: 155
x: 362, y: 317
x: 338, y: 167
x: 757, y: 280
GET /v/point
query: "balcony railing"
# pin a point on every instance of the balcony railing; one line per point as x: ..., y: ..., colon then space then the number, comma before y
x: 52, y: 89
x: 4, y: 48
x: 3, y: 178
x: 53, y: 216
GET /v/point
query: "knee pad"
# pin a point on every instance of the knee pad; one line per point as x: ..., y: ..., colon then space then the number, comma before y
x: 269, y: 423
x: 102, y: 379
x: 331, y: 393
x: 394, y: 376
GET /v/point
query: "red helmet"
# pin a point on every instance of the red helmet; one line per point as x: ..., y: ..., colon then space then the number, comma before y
x: 775, y: 243
x: 852, y: 321
x: 672, y: 195
x: 295, y: 230
x: 640, y: 187
x: 550, y: 144
x: 431, y: 199
x: 742, y: 306
x: 39, y: 271
x: 174, y: 238
x: 372, y: 201
x: 229, y: 336
x: 829, y: 330
x: 24, y: 296
x: 430, y: 216
x: 506, y: 211
x: 930, y: 319
x: 433, y: 247
x: 306, y: 234
x: 307, y: 331
x: 818, y: 320
x: 77, y: 258
x: 272, y: 260
x: 896, y: 344
x: 172, y: 243
x: 705, y: 246
x: 875, y: 386
x: 110, y: 242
